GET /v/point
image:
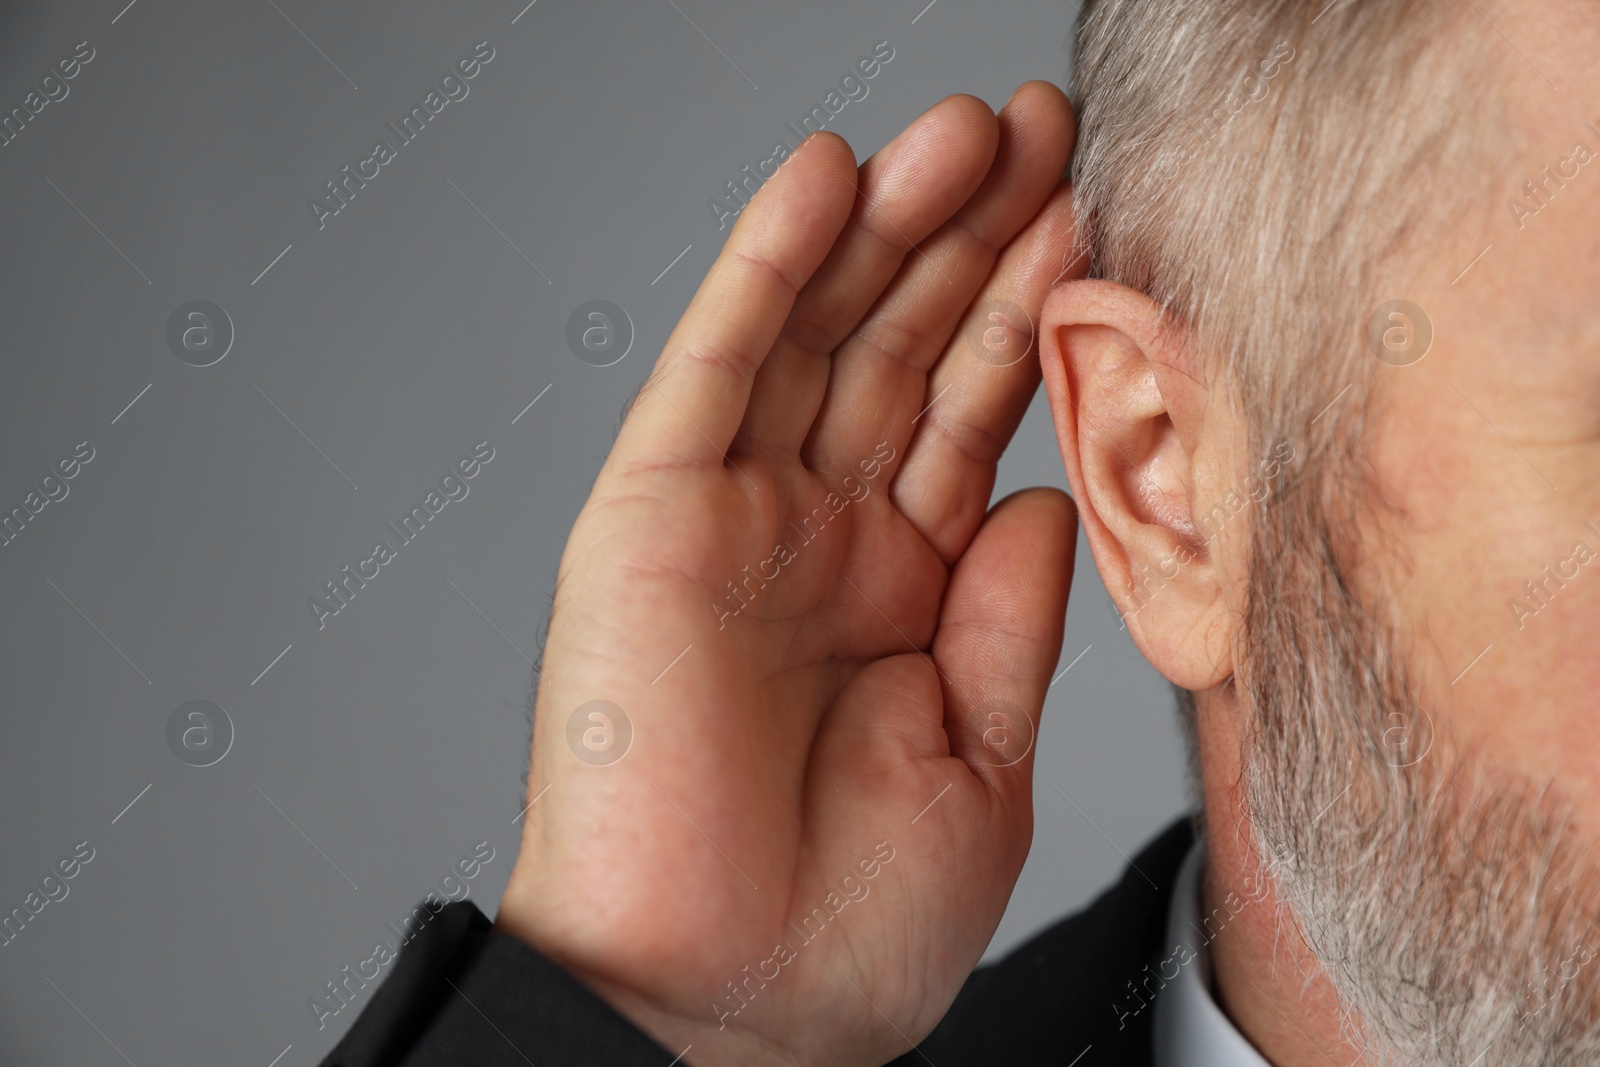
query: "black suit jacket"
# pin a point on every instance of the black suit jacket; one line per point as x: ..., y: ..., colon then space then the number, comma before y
x: 1076, y: 995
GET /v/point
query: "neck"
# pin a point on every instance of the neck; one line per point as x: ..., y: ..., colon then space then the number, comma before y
x: 1267, y: 980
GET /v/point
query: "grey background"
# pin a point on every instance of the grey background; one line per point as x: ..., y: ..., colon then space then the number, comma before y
x: 377, y: 752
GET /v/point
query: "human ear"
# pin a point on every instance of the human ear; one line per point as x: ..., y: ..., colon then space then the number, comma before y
x: 1131, y: 416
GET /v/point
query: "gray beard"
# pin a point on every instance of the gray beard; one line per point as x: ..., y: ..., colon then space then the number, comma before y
x: 1449, y: 902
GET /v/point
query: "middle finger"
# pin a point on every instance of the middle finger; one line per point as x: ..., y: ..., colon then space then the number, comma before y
x: 906, y: 190
x: 880, y: 373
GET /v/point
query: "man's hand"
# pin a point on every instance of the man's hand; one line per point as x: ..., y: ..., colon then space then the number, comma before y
x: 831, y: 654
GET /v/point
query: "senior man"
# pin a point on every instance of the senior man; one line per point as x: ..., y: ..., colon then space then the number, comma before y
x: 1318, y: 325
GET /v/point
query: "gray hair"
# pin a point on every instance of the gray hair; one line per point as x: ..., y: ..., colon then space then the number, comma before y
x: 1262, y: 170
x: 1272, y: 268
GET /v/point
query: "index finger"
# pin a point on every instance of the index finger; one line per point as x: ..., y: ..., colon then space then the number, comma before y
x: 982, y: 385
x: 696, y: 396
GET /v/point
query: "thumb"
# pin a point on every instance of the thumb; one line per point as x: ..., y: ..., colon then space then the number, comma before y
x: 999, y: 635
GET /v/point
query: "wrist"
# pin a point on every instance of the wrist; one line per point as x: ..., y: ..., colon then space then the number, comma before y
x: 658, y: 1012
x: 702, y: 1042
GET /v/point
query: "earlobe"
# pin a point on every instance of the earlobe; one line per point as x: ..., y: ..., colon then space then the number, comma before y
x: 1131, y: 420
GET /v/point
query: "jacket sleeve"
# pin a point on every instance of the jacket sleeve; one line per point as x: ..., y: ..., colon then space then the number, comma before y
x: 462, y: 994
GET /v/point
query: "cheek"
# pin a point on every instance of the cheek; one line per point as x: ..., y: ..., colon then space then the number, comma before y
x: 1517, y: 684
x: 1430, y: 482
x: 1548, y: 709
x: 1551, y: 659
x: 1508, y: 643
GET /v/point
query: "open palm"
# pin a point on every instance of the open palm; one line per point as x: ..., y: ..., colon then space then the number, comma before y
x: 788, y: 608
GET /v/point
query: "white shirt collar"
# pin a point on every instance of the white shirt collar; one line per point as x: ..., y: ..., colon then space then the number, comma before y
x: 1190, y: 1029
